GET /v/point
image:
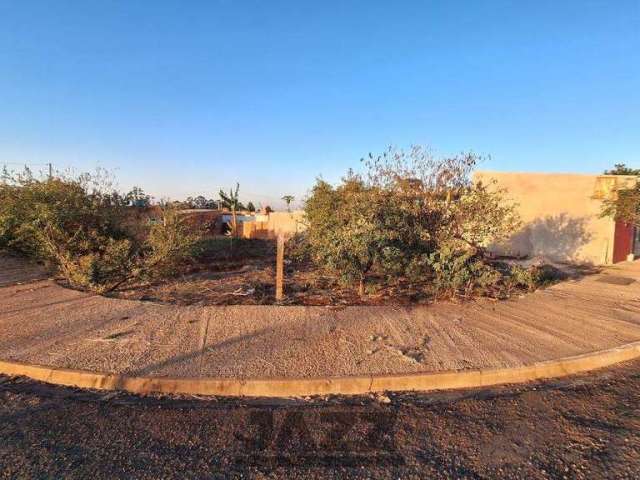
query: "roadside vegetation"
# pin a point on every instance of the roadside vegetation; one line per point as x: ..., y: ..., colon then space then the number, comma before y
x: 80, y: 226
x: 410, y: 228
x: 413, y: 219
x: 410, y: 216
x: 625, y: 205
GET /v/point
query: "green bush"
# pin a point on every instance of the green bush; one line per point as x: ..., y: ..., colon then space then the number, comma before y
x: 169, y: 244
x: 410, y: 216
x: 460, y: 271
x: 297, y: 248
x: 48, y: 218
x: 624, y: 206
x: 547, y: 274
x: 80, y: 225
x: 102, y: 270
x: 518, y: 277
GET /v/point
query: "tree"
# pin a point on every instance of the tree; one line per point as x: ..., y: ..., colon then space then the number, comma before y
x: 622, y: 169
x: 168, y: 244
x: 137, y: 197
x: 341, y: 234
x: 251, y: 207
x: 200, y: 202
x: 288, y: 199
x: 625, y: 204
x: 181, y: 204
x: 232, y: 202
x: 411, y: 215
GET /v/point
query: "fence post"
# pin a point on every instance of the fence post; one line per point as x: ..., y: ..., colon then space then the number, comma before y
x: 279, y: 267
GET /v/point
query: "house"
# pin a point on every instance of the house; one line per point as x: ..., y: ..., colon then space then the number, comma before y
x: 273, y: 224
x: 561, y: 217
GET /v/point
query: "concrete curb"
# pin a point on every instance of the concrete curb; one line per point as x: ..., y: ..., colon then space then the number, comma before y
x: 295, y: 387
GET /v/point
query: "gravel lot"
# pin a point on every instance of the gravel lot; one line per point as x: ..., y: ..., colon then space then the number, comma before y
x: 581, y: 427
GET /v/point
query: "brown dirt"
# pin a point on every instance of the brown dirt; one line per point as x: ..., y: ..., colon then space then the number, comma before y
x: 583, y: 427
x: 43, y: 323
x: 17, y: 270
x: 245, y: 275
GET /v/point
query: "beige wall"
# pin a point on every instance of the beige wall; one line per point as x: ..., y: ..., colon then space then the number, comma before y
x: 285, y: 223
x: 560, y: 217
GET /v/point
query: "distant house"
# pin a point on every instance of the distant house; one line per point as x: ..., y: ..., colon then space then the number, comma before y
x: 240, y: 218
x: 561, y: 215
x: 273, y: 224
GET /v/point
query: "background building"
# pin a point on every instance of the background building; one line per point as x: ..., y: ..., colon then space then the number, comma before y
x: 561, y: 217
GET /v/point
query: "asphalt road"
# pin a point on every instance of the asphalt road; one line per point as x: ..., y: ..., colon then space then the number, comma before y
x: 582, y: 427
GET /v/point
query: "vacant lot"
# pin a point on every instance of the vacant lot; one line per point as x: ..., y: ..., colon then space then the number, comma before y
x: 245, y: 275
x: 242, y: 272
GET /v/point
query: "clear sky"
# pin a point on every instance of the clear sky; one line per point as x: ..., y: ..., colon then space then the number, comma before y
x: 184, y: 97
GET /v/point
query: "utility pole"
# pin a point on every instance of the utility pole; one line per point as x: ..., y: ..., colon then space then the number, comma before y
x: 50, y: 170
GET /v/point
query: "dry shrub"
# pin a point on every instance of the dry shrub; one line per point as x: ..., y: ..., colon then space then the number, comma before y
x: 79, y: 225
x: 410, y: 215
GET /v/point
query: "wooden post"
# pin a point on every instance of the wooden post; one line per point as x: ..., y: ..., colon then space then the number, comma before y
x: 279, y: 267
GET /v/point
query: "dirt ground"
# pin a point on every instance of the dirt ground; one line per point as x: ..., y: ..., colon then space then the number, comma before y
x: 245, y: 275
x: 44, y: 323
x: 582, y: 427
x: 242, y: 272
x: 19, y: 270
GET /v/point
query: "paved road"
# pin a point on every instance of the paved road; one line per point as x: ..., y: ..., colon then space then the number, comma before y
x: 581, y: 427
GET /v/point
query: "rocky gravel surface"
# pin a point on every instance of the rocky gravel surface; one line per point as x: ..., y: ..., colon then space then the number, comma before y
x: 585, y: 427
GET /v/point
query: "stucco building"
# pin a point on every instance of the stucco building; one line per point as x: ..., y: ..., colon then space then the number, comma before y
x: 273, y: 224
x: 561, y: 217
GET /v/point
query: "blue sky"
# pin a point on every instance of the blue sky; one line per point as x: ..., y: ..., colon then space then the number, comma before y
x: 183, y: 98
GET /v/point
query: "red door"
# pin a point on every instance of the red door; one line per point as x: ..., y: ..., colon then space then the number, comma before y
x: 622, y: 241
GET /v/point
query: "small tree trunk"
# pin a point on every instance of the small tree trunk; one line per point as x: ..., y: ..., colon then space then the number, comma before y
x: 234, y: 229
x: 234, y: 221
x: 361, y: 286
